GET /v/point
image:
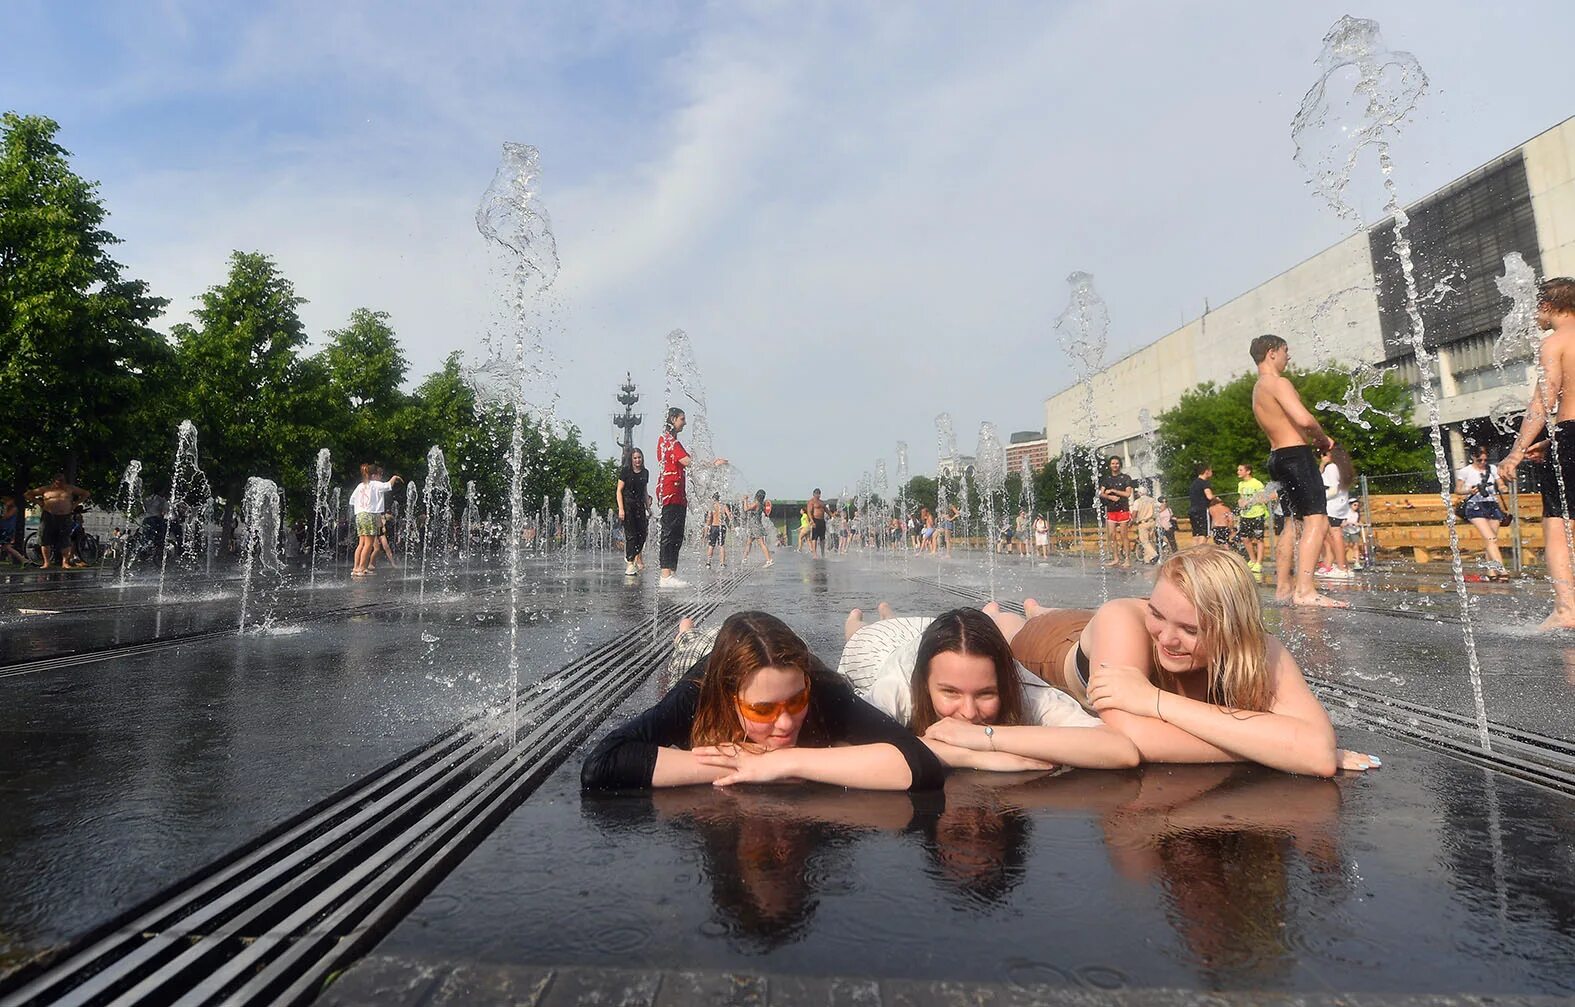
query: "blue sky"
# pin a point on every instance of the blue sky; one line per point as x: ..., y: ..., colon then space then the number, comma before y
x: 862, y: 214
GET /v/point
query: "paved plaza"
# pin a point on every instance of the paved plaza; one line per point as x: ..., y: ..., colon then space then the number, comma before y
x: 147, y: 751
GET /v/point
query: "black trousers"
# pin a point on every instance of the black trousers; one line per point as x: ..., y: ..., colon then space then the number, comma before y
x: 635, y: 528
x: 673, y: 517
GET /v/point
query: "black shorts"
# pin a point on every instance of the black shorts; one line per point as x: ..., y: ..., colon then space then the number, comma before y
x: 1221, y: 535
x: 1554, y: 502
x: 1252, y: 527
x: 713, y: 534
x: 1279, y: 524
x: 817, y: 529
x: 54, y: 531
x: 1301, y: 485
x: 1199, y: 520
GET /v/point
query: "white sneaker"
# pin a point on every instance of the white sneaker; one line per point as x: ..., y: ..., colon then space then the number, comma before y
x: 672, y: 582
x: 629, y: 570
x: 1341, y: 573
x: 768, y: 563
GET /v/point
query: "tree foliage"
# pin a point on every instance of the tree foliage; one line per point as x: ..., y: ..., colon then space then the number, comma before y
x: 75, y: 344
x: 84, y: 378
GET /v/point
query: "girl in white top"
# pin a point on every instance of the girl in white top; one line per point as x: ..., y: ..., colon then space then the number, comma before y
x: 1338, y: 475
x: 953, y: 682
x: 367, y: 499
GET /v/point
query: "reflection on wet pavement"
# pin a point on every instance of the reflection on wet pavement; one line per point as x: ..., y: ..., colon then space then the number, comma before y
x: 1432, y: 875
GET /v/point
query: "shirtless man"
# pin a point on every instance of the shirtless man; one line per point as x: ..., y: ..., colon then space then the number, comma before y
x: 816, y: 509
x: 57, y: 500
x: 1280, y: 413
x: 1556, y: 313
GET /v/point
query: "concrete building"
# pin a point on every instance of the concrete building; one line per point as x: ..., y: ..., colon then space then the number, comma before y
x: 1347, y: 304
x: 1029, y: 445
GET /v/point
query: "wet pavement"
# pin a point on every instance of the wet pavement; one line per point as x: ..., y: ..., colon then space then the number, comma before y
x: 1432, y: 876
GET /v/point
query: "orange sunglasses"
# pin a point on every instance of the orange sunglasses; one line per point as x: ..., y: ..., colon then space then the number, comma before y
x: 765, y: 713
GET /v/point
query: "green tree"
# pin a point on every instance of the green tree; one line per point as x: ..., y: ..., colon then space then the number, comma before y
x: 260, y: 409
x: 79, y: 365
x: 1214, y: 424
x: 364, y: 368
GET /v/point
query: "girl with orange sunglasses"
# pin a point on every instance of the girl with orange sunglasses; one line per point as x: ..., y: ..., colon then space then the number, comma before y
x: 760, y: 708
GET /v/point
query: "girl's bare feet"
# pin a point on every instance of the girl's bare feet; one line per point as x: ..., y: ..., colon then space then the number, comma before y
x: 685, y: 625
x: 853, y: 624
x: 885, y: 611
x: 1318, y: 601
x: 1031, y: 608
x: 991, y: 608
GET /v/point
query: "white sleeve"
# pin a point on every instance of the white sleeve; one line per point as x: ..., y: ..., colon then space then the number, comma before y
x: 1047, y: 706
x: 1331, y: 480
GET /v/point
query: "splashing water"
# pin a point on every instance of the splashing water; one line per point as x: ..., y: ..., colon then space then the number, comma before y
x: 1363, y: 93
x: 1340, y: 119
x: 321, y: 515
x: 188, y: 483
x: 946, y: 449
x: 989, y: 473
x: 512, y: 218
x: 1355, y: 405
x: 1519, y: 338
x: 131, y: 494
x: 1083, y: 330
x: 437, y: 502
x: 262, y: 505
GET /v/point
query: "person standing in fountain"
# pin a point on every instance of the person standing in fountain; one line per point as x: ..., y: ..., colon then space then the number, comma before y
x: 367, y: 499
x: 1288, y: 424
x: 56, y: 503
x: 1556, y: 313
x: 672, y: 494
x: 716, y: 531
x: 1115, y: 492
x: 757, y: 518
x: 1249, y: 500
x: 1143, y: 524
x: 634, y: 509
x: 816, y: 509
x: 1200, y: 497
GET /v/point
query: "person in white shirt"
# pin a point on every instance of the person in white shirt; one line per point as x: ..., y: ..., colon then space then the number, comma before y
x: 368, y: 500
x: 952, y: 680
x: 1480, y: 483
x: 1338, y: 477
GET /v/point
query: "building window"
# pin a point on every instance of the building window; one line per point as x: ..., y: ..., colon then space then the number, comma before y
x: 1471, y: 362
x: 1459, y: 238
x: 1410, y: 375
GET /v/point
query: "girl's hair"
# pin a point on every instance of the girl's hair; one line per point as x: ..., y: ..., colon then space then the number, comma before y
x: 969, y: 632
x: 366, y: 471
x: 672, y: 414
x: 1230, y: 626
x: 760, y: 496
x: 747, y: 642
x: 626, y: 472
x: 1341, y: 459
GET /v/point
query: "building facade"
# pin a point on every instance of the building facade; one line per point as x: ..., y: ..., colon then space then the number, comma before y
x: 1347, y: 304
x: 1029, y: 446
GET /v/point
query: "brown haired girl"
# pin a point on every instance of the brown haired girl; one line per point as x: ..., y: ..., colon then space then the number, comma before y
x: 1189, y: 674
x: 760, y: 709
x: 953, y: 681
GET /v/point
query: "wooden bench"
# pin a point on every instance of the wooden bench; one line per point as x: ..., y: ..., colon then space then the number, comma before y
x: 1416, y: 521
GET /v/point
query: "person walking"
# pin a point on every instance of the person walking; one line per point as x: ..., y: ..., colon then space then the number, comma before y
x: 1338, y: 477
x: 672, y: 494
x: 1042, y: 536
x: 1200, y: 497
x: 1165, y: 520
x: 1115, y: 495
x: 634, y: 510
x: 757, y: 521
x: 1478, y: 484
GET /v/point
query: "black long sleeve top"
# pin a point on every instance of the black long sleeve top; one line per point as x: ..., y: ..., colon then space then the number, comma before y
x: 626, y: 758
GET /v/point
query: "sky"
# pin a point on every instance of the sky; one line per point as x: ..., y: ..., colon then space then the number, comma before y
x: 862, y: 214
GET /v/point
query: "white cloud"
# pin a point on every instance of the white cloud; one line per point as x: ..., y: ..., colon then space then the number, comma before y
x: 863, y: 215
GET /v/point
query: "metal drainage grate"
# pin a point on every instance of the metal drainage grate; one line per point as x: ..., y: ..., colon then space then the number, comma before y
x: 273, y: 921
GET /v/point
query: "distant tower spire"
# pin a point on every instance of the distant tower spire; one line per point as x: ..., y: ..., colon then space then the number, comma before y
x: 630, y: 419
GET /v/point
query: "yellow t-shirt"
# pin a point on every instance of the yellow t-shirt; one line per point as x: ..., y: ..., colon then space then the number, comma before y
x: 1246, y: 488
